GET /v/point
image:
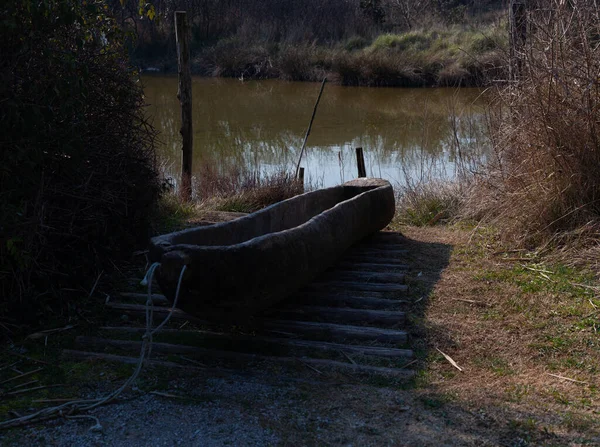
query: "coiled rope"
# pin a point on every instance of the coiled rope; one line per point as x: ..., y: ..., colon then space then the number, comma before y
x: 69, y: 409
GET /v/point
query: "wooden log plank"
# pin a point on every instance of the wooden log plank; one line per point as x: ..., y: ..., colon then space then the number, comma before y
x: 347, y: 315
x: 84, y: 355
x: 364, y: 276
x: 374, y: 259
x: 370, y: 267
x: 142, y: 297
x: 334, y: 331
x: 372, y: 351
x: 349, y: 300
x: 240, y: 375
x: 380, y: 239
x: 168, y: 348
x: 311, y: 290
x: 337, y: 331
x: 379, y: 246
x: 358, y: 286
x: 140, y: 309
x: 388, y: 234
x: 367, y: 251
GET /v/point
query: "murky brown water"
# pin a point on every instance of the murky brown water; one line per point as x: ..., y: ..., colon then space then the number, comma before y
x: 261, y: 125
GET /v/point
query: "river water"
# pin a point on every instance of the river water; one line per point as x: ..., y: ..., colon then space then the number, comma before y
x: 260, y: 125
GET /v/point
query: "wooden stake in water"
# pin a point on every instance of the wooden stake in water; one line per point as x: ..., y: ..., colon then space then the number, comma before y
x: 184, y: 94
x: 360, y: 162
x: 301, y: 177
x: 309, y: 127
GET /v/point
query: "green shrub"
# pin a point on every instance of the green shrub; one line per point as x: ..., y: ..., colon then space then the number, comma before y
x: 296, y: 64
x: 385, y: 41
x: 413, y: 41
x: 356, y: 43
x: 232, y: 58
x: 77, y: 178
x: 482, y: 44
x: 348, y: 69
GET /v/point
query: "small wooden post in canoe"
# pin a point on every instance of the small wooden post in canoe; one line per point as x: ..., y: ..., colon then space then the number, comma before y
x: 184, y: 94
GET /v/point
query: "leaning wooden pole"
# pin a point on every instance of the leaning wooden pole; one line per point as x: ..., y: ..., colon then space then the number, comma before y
x: 184, y: 94
x: 309, y: 127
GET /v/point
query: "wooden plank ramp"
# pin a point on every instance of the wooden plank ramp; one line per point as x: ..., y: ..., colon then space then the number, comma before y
x: 350, y: 320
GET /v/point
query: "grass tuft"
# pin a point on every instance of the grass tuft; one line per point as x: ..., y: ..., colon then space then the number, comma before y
x: 429, y: 204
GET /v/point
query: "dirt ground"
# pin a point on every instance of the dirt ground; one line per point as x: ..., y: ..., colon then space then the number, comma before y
x: 528, y: 350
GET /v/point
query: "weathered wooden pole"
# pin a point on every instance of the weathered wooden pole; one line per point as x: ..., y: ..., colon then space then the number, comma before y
x: 518, y: 35
x: 310, y: 125
x: 184, y: 94
x: 360, y: 162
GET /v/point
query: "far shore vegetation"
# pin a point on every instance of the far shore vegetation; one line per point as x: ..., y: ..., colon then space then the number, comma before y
x: 369, y: 42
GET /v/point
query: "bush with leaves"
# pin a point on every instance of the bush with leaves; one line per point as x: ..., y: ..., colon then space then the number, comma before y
x: 77, y: 173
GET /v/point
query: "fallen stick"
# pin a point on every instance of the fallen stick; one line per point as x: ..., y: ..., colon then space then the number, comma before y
x: 348, y: 357
x: 22, y: 375
x: 24, y: 384
x: 30, y: 359
x: 452, y: 362
x: 47, y: 332
x: 567, y: 378
x: 13, y: 393
x: 10, y: 366
x: 480, y: 303
x: 408, y: 364
x: 311, y: 367
x: 46, y: 401
x: 172, y: 396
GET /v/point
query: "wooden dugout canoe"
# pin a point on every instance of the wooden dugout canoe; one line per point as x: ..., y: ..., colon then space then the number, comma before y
x: 241, y: 267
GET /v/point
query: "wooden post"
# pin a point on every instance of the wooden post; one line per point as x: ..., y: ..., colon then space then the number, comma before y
x: 360, y: 162
x: 518, y: 35
x: 310, y: 125
x: 184, y: 93
x: 301, y: 177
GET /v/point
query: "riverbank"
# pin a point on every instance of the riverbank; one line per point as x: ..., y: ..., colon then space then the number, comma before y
x: 456, y: 56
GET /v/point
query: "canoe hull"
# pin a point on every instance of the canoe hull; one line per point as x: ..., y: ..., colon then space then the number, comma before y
x: 247, y: 277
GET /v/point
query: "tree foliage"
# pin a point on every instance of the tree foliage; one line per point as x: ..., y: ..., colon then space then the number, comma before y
x: 76, y: 164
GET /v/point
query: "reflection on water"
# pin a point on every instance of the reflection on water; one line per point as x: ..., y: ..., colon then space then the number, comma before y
x: 261, y: 125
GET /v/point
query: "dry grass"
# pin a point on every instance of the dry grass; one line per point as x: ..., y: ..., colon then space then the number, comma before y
x: 430, y: 203
x: 509, y: 322
x: 543, y: 187
x: 240, y: 190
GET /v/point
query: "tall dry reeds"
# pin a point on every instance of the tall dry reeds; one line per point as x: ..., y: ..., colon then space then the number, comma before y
x: 435, y: 184
x: 244, y: 190
x: 544, y: 184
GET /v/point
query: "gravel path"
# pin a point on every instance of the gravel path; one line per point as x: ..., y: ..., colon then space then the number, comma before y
x: 248, y: 412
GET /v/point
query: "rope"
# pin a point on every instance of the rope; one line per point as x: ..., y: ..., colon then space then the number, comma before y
x: 76, y: 406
